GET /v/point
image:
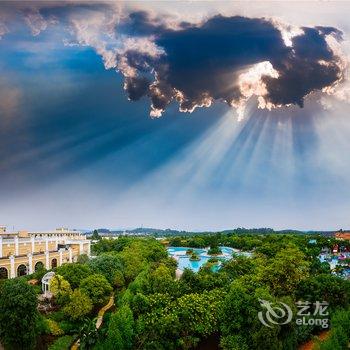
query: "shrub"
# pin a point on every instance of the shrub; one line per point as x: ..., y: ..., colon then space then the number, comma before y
x: 42, y: 325
x: 61, y: 289
x: 54, y: 327
x: 79, y: 305
x: 68, y: 326
x: 97, y: 288
x: 62, y: 343
x: 57, y: 315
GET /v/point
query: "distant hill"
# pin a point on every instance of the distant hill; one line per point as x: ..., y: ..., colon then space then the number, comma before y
x: 170, y: 232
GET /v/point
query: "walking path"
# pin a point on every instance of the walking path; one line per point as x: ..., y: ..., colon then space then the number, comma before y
x: 103, y: 310
x: 311, y: 343
x: 99, y: 320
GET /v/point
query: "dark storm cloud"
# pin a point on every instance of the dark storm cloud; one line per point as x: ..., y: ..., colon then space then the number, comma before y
x: 141, y: 23
x: 136, y: 87
x: 204, y: 62
x: 221, y: 58
x: 311, y: 67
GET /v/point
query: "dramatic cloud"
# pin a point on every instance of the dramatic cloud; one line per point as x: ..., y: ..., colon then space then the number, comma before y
x: 36, y: 21
x: 229, y: 59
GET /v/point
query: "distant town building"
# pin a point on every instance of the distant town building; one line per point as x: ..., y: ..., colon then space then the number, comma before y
x: 342, y: 235
x: 24, y: 252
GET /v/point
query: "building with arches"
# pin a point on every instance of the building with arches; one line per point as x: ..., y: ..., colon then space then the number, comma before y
x: 24, y: 252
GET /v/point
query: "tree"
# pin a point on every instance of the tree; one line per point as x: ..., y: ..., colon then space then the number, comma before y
x: 107, y: 264
x: 175, y: 242
x: 74, y: 273
x: 325, y: 287
x: 88, y: 334
x: 164, y: 323
x: 60, y: 288
x: 285, y: 271
x: 214, y: 250
x: 119, y: 280
x: 162, y: 280
x: 83, y: 259
x: 240, y: 326
x: 95, y: 235
x: 340, y: 332
x: 97, y: 288
x: 121, y: 329
x: 239, y: 266
x: 318, y: 267
x: 154, y: 251
x: 197, y: 242
x: 18, y: 314
x: 109, y: 245
x: 190, y: 282
x: 198, y: 315
x: 194, y: 256
x: 79, y: 305
x: 142, y: 283
x: 133, y: 262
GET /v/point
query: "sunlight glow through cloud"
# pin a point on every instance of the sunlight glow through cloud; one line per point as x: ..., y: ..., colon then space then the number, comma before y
x: 251, y: 84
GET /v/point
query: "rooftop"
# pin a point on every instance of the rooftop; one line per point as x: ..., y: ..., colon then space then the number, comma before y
x: 24, y: 233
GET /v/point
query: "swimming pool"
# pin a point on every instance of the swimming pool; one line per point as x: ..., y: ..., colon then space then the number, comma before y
x: 183, y: 260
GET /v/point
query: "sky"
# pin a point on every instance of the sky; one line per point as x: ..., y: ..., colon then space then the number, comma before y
x: 187, y: 115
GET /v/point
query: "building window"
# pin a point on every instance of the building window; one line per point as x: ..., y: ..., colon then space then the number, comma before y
x: 21, y: 270
x: 54, y: 263
x: 38, y: 266
x: 3, y: 273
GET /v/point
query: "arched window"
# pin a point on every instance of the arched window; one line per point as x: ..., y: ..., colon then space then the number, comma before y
x: 54, y: 263
x: 3, y: 273
x: 38, y: 266
x: 21, y: 270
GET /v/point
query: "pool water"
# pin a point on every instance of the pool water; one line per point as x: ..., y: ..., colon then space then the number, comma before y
x: 333, y: 261
x: 183, y: 260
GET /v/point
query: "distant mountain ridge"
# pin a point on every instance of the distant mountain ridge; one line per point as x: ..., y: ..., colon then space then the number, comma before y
x: 172, y: 232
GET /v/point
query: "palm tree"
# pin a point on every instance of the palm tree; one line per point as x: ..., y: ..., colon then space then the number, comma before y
x: 88, y: 334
